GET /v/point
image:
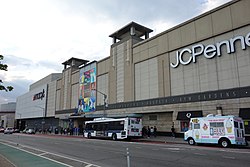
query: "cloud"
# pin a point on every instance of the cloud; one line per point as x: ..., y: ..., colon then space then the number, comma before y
x: 27, y: 69
x: 210, y: 4
x: 37, y: 36
x: 20, y: 88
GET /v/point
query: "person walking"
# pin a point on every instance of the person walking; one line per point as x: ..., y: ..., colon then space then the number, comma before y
x: 155, y: 131
x: 144, y: 132
x: 173, y: 131
x: 148, y: 132
x: 152, y: 131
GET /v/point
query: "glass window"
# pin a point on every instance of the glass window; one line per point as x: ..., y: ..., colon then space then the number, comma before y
x: 217, y: 124
x: 220, y: 124
x: 241, y: 125
x: 100, y: 127
x: 184, y: 126
x: 89, y: 127
x: 212, y: 124
x: 135, y: 121
x: 94, y: 126
x: 236, y: 124
x: 116, y: 125
x: 196, y: 126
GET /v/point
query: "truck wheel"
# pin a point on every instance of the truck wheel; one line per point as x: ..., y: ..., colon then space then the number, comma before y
x: 114, y: 137
x: 224, y: 143
x: 191, y: 141
x: 89, y: 135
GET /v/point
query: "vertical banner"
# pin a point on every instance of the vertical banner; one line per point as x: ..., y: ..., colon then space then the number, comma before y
x: 87, y: 82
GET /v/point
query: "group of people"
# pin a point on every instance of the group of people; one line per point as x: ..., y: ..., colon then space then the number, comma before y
x: 152, y: 131
x: 149, y: 131
x: 70, y: 131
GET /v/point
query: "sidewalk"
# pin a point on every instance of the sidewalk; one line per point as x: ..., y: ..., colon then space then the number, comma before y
x: 177, y: 140
x: 152, y: 139
x: 163, y: 139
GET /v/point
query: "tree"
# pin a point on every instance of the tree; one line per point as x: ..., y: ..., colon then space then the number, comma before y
x: 4, y: 67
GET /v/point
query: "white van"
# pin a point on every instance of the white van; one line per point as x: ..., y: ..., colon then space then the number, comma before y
x: 222, y: 130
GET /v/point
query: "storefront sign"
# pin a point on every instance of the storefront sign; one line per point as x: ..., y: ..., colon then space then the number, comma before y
x: 186, y: 115
x: 39, y: 95
x: 209, y: 51
x: 188, y: 98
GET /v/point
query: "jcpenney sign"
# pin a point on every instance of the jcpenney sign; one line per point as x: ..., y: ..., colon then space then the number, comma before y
x: 209, y: 51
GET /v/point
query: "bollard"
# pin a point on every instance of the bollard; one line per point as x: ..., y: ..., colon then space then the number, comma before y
x: 128, y: 158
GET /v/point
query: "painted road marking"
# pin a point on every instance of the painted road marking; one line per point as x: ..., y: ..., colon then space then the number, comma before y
x: 235, y: 151
x: 89, y: 165
x: 174, y: 149
x: 200, y: 154
x: 70, y: 158
x: 36, y: 155
x: 44, y: 153
x: 227, y: 157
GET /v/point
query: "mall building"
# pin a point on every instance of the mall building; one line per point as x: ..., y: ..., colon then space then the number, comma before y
x: 196, y: 68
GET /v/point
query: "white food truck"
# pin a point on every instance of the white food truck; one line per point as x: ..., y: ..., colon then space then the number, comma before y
x: 222, y: 130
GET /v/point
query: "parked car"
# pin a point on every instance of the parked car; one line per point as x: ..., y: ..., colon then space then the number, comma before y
x: 1, y: 129
x: 16, y: 131
x: 29, y: 131
x: 8, y: 130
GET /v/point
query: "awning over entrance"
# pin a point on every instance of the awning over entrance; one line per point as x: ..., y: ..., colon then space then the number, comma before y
x: 186, y: 115
x: 244, y: 113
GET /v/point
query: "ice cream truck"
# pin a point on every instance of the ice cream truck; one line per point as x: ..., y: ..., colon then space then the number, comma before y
x: 222, y: 130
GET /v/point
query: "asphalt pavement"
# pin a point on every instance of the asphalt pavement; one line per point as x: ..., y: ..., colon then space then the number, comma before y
x: 5, y: 162
x: 12, y: 155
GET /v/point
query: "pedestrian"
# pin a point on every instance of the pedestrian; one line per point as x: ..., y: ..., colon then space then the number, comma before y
x: 173, y: 131
x: 155, y: 131
x: 144, y: 131
x: 152, y: 131
x: 148, y: 132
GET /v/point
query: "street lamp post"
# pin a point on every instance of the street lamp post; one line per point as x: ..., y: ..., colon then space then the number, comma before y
x: 19, y: 127
x: 19, y: 121
x: 104, y: 102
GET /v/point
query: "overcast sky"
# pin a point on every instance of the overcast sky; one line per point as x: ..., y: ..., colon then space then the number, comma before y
x: 36, y: 36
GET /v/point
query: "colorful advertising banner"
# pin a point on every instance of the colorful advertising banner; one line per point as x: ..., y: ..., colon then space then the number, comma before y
x: 87, y: 82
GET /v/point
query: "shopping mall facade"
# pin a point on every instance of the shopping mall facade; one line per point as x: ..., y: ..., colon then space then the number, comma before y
x: 199, y: 67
